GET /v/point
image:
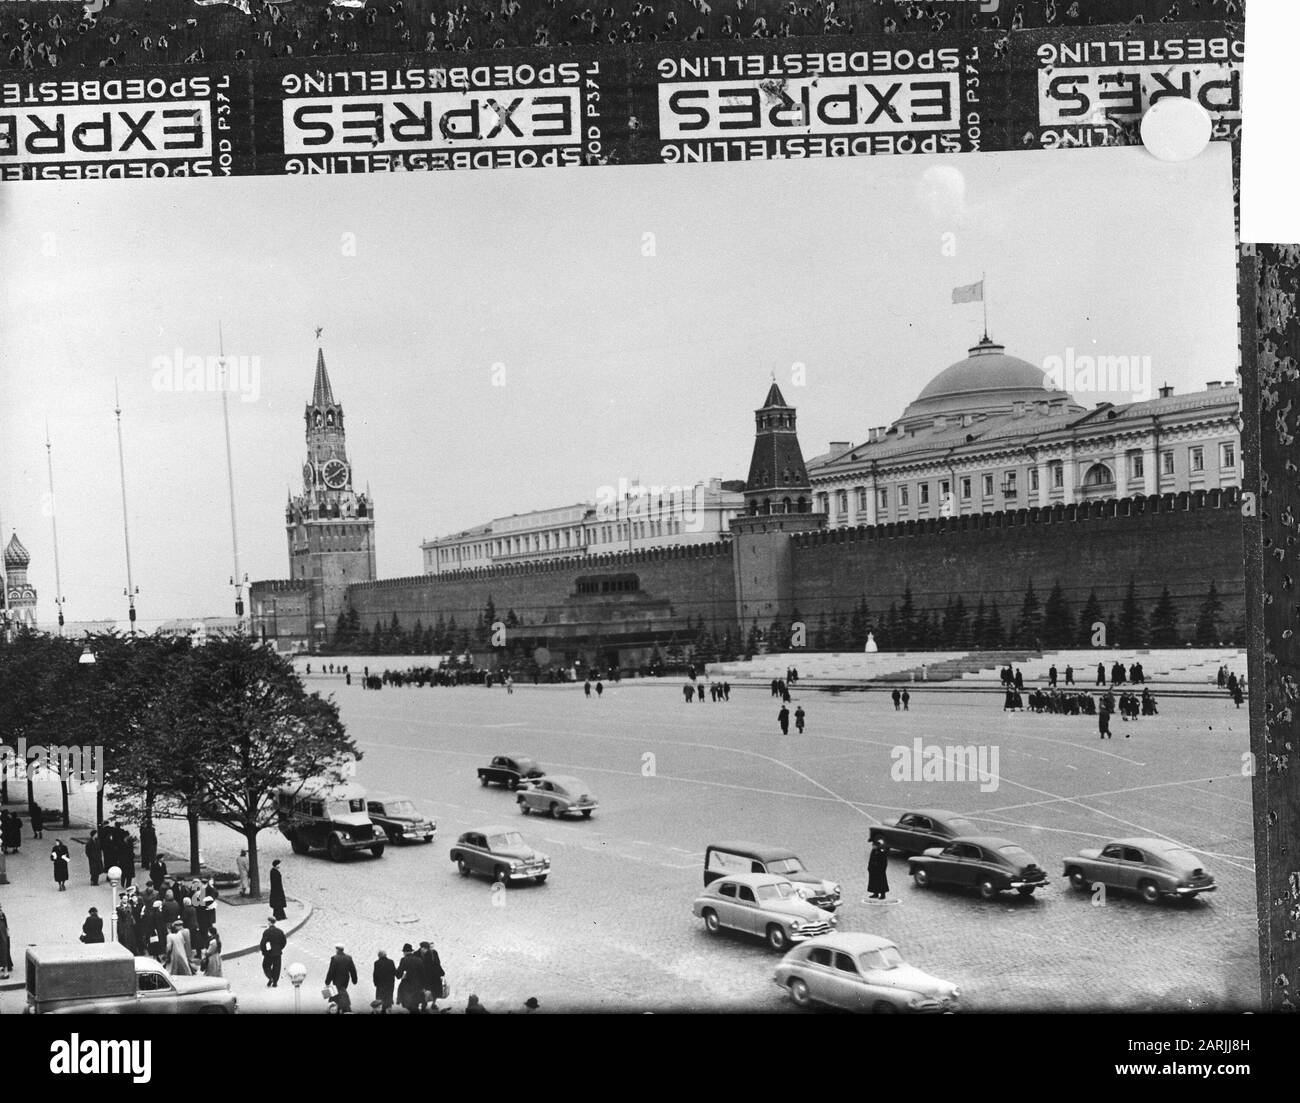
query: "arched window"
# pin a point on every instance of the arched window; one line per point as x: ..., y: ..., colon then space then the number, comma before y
x: 753, y: 507
x: 767, y: 506
x: 803, y: 505
x: 785, y: 505
x: 1098, y: 475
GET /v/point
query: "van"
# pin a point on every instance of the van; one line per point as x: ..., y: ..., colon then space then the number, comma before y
x: 721, y: 859
x: 329, y: 816
x: 105, y: 978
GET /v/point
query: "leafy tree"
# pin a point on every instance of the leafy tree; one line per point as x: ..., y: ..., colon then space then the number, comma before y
x: 1164, y: 622
x: 1058, y: 625
x: 1207, y: 619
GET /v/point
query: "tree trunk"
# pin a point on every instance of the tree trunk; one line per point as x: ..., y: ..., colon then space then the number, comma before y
x: 192, y: 814
x: 254, y: 879
x: 63, y: 791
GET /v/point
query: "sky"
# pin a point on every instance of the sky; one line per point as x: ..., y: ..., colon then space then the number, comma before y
x: 513, y: 340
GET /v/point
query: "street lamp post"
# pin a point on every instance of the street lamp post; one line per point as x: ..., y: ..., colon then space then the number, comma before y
x: 114, y: 879
x: 297, y: 974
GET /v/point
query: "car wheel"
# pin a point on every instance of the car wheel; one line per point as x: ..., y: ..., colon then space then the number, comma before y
x: 541, y: 878
x: 501, y: 875
x: 555, y: 811
x: 1078, y: 880
x: 523, y: 807
x: 1150, y: 893
x: 482, y: 779
x: 799, y: 992
x: 1026, y: 890
x: 712, y: 923
x: 777, y: 938
x: 299, y: 845
x: 884, y: 1007
x: 586, y: 813
x: 513, y: 783
x: 334, y: 849
x: 377, y: 850
x: 920, y: 878
x: 462, y: 867
x: 988, y: 890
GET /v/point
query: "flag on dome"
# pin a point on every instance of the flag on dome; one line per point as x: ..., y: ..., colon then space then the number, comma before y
x: 972, y: 293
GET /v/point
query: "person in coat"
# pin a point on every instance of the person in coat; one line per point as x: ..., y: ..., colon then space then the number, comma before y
x: 160, y: 930
x: 148, y: 844
x: 178, y: 952
x: 1103, y: 721
x: 212, y: 954
x: 38, y: 821
x: 384, y: 977
x: 410, y: 971
x: 171, y: 908
x: 341, y: 973
x: 59, y: 856
x: 783, y: 718
x: 878, y: 870
x: 277, y: 900
x: 190, y: 919
x: 431, y: 976
x: 241, y: 864
x: 898, y: 700
x: 94, y: 858
x: 92, y: 930
x: 126, y: 932
x: 799, y: 719
x: 158, y: 872
x: 272, y: 946
x: 6, y: 959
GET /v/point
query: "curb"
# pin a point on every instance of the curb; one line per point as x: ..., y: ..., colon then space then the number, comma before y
x: 12, y: 985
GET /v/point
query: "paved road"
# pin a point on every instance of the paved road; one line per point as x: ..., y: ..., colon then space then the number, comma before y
x: 612, y: 928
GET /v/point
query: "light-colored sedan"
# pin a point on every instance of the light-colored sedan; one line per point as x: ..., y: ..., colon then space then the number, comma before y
x: 1153, y: 868
x: 762, y: 904
x: 558, y: 795
x: 861, y: 972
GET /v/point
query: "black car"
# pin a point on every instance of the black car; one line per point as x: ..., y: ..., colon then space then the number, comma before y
x: 916, y: 832
x: 397, y: 818
x: 983, y: 862
x: 510, y: 770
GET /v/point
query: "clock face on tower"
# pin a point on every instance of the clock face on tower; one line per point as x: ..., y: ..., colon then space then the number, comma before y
x: 336, y: 474
x: 308, y: 474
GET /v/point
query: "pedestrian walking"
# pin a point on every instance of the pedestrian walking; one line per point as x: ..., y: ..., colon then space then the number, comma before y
x: 212, y: 954
x: 59, y: 856
x: 878, y: 870
x: 783, y: 718
x: 410, y: 971
x: 1103, y: 721
x: 586, y: 688
x: 431, y: 975
x: 384, y: 977
x: 38, y: 821
x: 12, y: 832
x: 341, y: 973
x: 94, y: 858
x: 190, y: 920
x: 1020, y: 681
x: 1069, y: 675
x: 277, y: 899
x: 241, y: 864
x: 92, y: 930
x: 178, y: 951
x: 799, y: 719
x: 600, y: 689
x: 6, y: 960
x: 1101, y: 674
x: 898, y: 698
x: 272, y: 947
x: 688, y: 693
x: 126, y: 934
x: 907, y: 696
x: 158, y: 872
x: 1051, y: 675
x: 148, y: 844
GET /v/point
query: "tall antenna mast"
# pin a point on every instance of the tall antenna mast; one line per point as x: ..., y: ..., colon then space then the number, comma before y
x: 131, y: 589
x: 984, y: 298
x: 236, y: 579
x: 54, y: 527
x: 4, y: 595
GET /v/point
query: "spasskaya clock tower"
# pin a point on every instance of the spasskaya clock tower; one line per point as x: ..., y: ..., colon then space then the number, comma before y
x: 330, y: 527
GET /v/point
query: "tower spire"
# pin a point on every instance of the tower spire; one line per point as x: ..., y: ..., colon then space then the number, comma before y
x: 322, y: 393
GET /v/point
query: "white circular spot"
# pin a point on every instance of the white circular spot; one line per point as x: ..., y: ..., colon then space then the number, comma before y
x: 1176, y: 129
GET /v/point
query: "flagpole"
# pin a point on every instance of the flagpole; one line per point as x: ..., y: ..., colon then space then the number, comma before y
x: 984, y: 298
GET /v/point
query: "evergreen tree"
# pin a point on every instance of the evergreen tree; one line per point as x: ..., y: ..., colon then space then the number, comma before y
x: 1207, y: 620
x: 839, y: 632
x: 415, y: 641
x: 1164, y: 622
x: 1058, y: 625
x: 511, y: 620
x: 778, y: 636
x: 858, y: 624
x: 960, y: 637
x: 907, y: 619
x: 893, y: 629
x: 1091, y: 614
x: 753, y: 641
x: 377, y: 641
x: 439, y: 636
x: 979, y: 626
x: 993, y: 628
x: 1132, y: 621
x: 489, y: 613
x: 1029, y: 631
x: 922, y: 630
x: 822, y: 635
x: 396, y: 639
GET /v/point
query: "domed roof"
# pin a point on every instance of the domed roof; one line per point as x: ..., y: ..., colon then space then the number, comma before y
x: 987, y: 381
x: 16, y: 557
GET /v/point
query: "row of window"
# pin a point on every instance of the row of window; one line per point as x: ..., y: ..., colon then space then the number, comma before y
x: 1097, y: 475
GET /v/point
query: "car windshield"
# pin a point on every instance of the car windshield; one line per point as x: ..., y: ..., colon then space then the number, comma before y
x: 887, y: 957
x: 509, y: 839
x: 782, y: 890
x: 399, y: 808
x: 1017, y: 854
x: 345, y: 807
x: 785, y: 865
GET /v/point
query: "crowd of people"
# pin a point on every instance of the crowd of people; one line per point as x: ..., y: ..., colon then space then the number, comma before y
x: 1235, y: 687
x: 718, y: 691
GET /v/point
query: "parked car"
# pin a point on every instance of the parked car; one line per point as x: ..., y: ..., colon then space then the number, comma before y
x: 320, y: 815
x: 723, y: 858
x: 762, y: 904
x: 397, y: 818
x: 105, y: 978
x: 1154, y: 868
x: 916, y: 832
x: 558, y: 795
x: 990, y: 864
x: 500, y: 853
x: 861, y: 972
x: 510, y: 770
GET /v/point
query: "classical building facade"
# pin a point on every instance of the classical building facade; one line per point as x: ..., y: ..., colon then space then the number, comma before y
x: 20, y: 595
x: 628, y: 518
x: 329, y: 528
x: 990, y: 433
